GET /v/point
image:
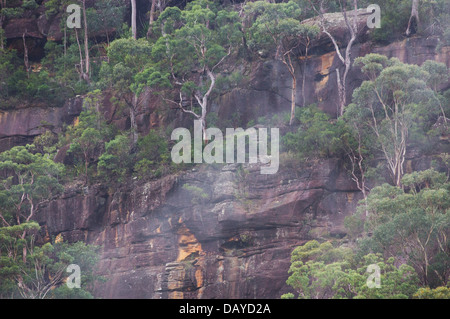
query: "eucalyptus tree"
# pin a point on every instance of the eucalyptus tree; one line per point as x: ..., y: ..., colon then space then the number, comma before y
x: 322, y: 271
x: 413, y: 224
x: 29, y: 180
x: 277, y: 26
x: 395, y: 102
x: 193, y: 47
x: 127, y: 57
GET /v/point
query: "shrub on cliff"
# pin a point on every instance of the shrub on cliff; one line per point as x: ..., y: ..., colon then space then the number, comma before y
x: 87, y: 137
x: 153, y: 156
x: 317, y: 135
x: 114, y: 164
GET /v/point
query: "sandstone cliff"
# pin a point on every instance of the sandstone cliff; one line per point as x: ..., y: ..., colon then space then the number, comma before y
x: 161, y: 240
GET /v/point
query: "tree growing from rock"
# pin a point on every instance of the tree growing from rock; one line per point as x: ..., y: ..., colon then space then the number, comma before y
x: 277, y: 26
x: 30, y: 179
x: 194, y: 45
x: 88, y: 136
x: 127, y: 58
x: 106, y: 17
x: 413, y: 223
x: 395, y: 101
x: 355, y: 142
x: 42, y: 274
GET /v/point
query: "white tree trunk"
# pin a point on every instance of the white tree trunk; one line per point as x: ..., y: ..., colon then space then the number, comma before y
x: 293, y: 98
x: 86, y: 45
x: 346, y: 60
x: 151, y: 18
x: 203, y: 101
x: 133, y: 19
x: 25, y: 55
x: 133, y: 123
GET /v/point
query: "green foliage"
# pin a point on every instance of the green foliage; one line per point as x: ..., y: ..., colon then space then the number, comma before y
x: 198, y: 194
x: 394, y: 19
x: 132, y: 53
x: 59, y: 62
x: 413, y: 223
x: 127, y: 57
x: 52, y: 7
x: 18, y: 87
x: 29, y: 179
x: 40, y: 273
x: 289, y: 295
x: 329, y: 6
x: 277, y: 25
x: 150, y: 77
x: 153, y: 155
x: 87, y: 137
x: 60, y: 76
x: 14, y: 82
x: 29, y: 5
x: 395, y: 106
x: 437, y: 73
x: 85, y: 148
x: 321, y: 271
x: 46, y: 142
x: 8, y: 63
x: 86, y: 257
x: 115, y: 163
x: 197, y: 38
x: 436, y: 293
x: 317, y: 135
x: 11, y: 12
x: 226, y: 82
x: 434, y: 17
x: 88, y: 118
x: 129, y: 71
x: 106, y: 16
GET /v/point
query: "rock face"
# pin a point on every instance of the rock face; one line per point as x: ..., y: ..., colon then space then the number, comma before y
x: 267, y: 92
x: 214, y: 233
x: 219, y: 231
x: 269, y: 89
x: 20, y: 126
